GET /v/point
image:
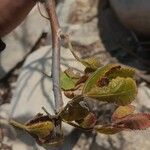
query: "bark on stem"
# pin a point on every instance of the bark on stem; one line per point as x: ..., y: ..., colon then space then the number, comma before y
x: 56, y: 44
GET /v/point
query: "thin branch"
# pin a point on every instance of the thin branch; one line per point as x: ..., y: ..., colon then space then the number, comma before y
x: 39, y: 9
x: 56, y: 44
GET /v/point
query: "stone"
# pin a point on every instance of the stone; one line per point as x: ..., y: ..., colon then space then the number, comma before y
x: 34, y: 90
x: 126, y: 10
x: 125, y: 140
x: 82, y: 21
x: 21, y: 40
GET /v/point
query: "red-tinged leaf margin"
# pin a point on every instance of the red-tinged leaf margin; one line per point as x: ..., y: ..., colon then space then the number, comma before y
x: 140, y: 121
x: 89, y: 121
x: 123, y: 111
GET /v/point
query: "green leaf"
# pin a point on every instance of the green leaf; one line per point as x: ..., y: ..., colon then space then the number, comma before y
x: 91, y: 63
x: 67, y: 83
x: 107, y: 129
x: 45, y: 130
x: 97, y: 76
x: 121, y: 91
x: 41, y: 128
x: 122, y: 72
x: 123, y: 111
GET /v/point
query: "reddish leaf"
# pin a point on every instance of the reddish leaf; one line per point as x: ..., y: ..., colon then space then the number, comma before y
x: 133, y: 122
x: 89, y: 121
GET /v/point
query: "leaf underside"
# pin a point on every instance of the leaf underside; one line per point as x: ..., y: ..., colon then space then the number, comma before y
x: 107, y: 129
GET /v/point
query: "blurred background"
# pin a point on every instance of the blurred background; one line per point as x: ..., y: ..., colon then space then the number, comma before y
x: 116, y: 31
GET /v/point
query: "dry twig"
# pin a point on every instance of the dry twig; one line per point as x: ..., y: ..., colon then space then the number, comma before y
x: 56, y: 44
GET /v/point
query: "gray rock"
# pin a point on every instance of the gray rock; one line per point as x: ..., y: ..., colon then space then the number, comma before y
x: 33, y: 87
x: 21, y: 40
x: 136, y: 140
x: 126, y: 10
x: 143, y: 98
x: 82, y: 28
x: 34, y: 90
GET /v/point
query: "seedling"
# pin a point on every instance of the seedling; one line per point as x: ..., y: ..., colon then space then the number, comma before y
x: 111, y: 83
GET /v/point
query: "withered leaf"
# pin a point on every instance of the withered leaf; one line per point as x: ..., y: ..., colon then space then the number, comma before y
x: 77, y: 91
x: 103, y: 82
x: 76, y: 109
x: 82, y: 79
